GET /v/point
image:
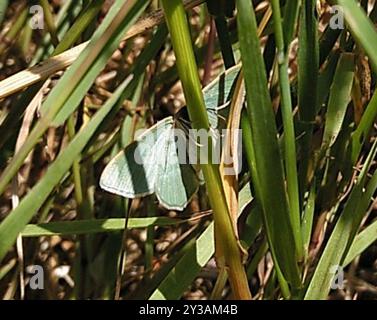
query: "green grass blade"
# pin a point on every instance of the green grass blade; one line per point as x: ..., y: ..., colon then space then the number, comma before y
x: 307, y: 219
x: 289, y: 137
x: 291, y: 14
x: 80, y: 24
x: 93, y: 60
x: 308, y: 66
x: 361, y: 27
x: 77, y: 80
x: 344, y: 232
x: 15, y: 222
x: 362, y: 241
x: 50, y: 23
x: 3, y: 9
x: 308, y: 62
x: 188, y: 73
x: 270, y: 192
x: 187, y: 268
x: 66, y: 228
x: 360, y: 136
x: 325, y: 80
x: 327, y: 43
x: 340, y: 96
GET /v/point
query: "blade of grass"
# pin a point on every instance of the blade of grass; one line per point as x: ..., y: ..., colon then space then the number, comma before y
x: 15, y: 222
x: 360, y: 135
x: 187, y: 268
x: 291, y: 14
x: 150, y: 284
x: 187, y: 70
x: 308, y: 65
x: 325, y: 80
x: 7, y: 267
x: 64, y: 59
x: 79, y: 26
x: 14, y: 30
x: 250, y: 155
x: 289, y: 137
x: 181, y: 275
x: 67, y: 10
x: 270, y: 184
x: 344, y: 232
x: 362, y: 28
x: 70, y: 90
x: 196, y: 256
x: 93, y: 59
x: 362, y: 241
x: 49, y: 19
x: 327, y: 43
x: 3, y: 9
x: 307, y: 219
x: 67, y: 14
x: 94, y: 226
x: 340, y: 96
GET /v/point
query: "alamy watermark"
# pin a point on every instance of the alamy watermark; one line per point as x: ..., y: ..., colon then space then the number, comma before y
x: 36, y: 277
x: 337, y: 20
x: 337, y: 281
x: 37, y: 17
x: 194, y: 147
x: 36, y: 273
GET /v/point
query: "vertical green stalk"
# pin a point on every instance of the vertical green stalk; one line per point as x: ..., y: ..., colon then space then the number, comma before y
x: 3, y: 9
x: 76, y: 164
x: 308, y: 65
x: 187, y: 70
x: 149, y: 243
x: 76, y: 173
x: 14, y: 30
x: 49, y: 19
x: 250, y: 155
x: 25, y: 39
x: 269, y: 181
x: 80, y: 25
x: 289, y: 131
x: 291, y: 13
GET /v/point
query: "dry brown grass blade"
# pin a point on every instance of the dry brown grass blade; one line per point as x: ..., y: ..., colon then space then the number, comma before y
x: 230, y: 181
x: 24, y: 132
x: 41, y: 71
x: 50, y: 66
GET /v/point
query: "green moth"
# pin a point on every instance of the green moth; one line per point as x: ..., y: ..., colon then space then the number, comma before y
x: 152, y: 163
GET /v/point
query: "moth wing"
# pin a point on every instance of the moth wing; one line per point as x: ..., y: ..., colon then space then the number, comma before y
x: 217, y: 96
x: 133, y: 172
x: 177, y: 182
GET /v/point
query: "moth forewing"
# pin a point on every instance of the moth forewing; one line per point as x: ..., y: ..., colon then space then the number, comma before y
x: 133, y: 172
